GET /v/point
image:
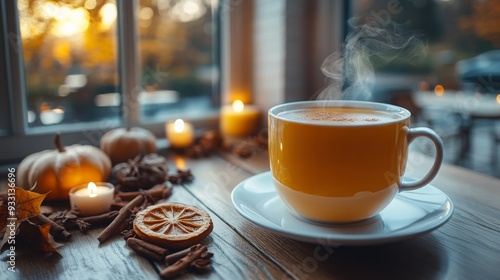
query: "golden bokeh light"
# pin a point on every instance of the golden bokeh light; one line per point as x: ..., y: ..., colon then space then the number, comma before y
x: 70, y: 21
x: 439, y: 90
x: 90, y: 4
x: 146, y: 13
x: 108, y: 15
x: 183, y: 11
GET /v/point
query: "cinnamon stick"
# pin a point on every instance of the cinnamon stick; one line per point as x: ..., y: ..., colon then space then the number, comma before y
x: 151, y: 247
x: 147, y: 249
x: 120, y: 219
x: 100, y: 219
x: 58, y: 231
x: 157, y: 192
x: 200, y: 265
x: 118, y: 204
x: 144, y: 252
x: 182, y: 264
x: 172, y: 258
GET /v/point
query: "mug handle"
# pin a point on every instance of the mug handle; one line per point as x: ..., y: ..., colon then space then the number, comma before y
x: 438, y: 143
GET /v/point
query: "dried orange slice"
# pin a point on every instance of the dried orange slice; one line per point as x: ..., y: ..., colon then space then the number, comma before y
x: 174, y: 225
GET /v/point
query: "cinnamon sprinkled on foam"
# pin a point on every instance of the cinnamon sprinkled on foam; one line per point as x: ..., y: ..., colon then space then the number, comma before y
x: 330, y: 116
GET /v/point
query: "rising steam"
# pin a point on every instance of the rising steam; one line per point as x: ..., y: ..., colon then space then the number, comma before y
x: 351, y: 74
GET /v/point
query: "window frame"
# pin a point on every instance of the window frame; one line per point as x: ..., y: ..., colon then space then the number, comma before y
x: 5, y: 110
x: 22, y: 141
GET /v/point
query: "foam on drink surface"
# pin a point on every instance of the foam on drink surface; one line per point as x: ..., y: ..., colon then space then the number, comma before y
x: 338, y: 116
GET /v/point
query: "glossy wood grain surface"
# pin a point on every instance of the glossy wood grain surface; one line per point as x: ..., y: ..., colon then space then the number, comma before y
x: 466, y: 247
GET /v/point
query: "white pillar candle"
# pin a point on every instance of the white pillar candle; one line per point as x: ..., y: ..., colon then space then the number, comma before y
x: 180, y: 134
x: 92, y: 198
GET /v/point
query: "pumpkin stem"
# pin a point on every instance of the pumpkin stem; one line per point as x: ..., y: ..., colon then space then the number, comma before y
x: 58, y: 143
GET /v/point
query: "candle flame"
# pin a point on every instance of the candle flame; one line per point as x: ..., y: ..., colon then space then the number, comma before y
x: 92, y: 189
x: 238, y: 106
x: 180, y: 163
x: 498, y: 98
x: 439, y: 90
x: 44, y: 107
x: 58, y: 111
x: 178, y: 125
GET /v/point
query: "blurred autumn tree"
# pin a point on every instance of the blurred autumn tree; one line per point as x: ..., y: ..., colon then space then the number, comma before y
x: 79, y: 37
x: 63, y: 37
x: 176, y: 37
x: 67, y: 37
x: 484, y: 21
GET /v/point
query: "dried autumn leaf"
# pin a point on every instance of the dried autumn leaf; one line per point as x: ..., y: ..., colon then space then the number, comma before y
x: 27, y: 203
x: 47, y: 244
x: 37, y: 237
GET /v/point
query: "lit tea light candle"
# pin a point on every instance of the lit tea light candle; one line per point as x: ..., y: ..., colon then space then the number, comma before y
x: 92, y: 198
x: 180, y: 163
x: 52, y: 116
x: 439, y: 90
x: 239, y: 119
x: 180, y: 133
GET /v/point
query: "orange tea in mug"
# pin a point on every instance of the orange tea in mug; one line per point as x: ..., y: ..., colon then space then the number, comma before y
x: 341, y: 161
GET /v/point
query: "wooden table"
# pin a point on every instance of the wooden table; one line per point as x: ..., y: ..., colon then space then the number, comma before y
x: 466, y: 247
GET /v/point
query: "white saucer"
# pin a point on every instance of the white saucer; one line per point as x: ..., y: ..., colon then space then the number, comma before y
x: 410, y: 214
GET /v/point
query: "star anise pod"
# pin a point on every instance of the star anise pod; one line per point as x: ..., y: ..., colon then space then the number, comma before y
x: 65, y: 217
x: 209, y: 142
x: 129, y: 168
x: 244, y: 149
x: 82, y: 225
x: 182, y: 176
x: 142, y: 172
x: 128, y: 233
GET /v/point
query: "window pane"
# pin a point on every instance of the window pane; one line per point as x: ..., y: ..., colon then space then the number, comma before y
x: 4, y: 100
x: 179, y: 68
x: 4, y: 114
x: 454, y: 30
x: 70, y: 59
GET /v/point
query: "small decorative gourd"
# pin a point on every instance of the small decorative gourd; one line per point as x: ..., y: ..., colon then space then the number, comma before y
x: 56, y: 171
x: 122, y: 144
